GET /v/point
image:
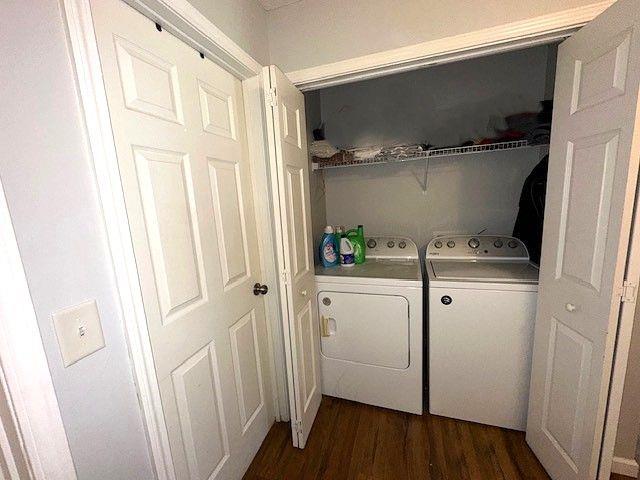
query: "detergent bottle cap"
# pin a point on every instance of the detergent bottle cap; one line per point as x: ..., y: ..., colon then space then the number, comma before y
x: 328, y: 229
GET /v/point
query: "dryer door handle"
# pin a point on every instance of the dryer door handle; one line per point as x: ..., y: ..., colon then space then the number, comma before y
x: 328, y: 326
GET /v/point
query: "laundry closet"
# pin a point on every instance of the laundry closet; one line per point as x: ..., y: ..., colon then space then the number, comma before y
x: 433, y: 160
x: 445, y: 105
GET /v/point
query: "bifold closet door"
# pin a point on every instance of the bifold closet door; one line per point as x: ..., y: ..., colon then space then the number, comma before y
x: 290, y: 172
x: 180, y: 135
x: 593, y: 170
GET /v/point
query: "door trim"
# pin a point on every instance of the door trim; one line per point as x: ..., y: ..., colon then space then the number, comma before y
x: 185, y: 22
x: 24, y: 372
x: 608, y: 461
x: 488, y: 41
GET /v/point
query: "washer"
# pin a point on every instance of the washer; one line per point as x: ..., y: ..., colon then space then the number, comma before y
x: 482, y: 293
x: 371, y: 324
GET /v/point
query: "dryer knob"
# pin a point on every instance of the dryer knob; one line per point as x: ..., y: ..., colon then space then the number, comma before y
x: 512, y: 244
x: 371, y: 243
x: 391, y: 244
x: 402, y: 244
x: 438, y: 244
x: 451, y: 244
x: 474, y: 243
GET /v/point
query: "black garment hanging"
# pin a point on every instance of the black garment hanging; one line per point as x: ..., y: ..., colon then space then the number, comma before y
x: 530, y: 219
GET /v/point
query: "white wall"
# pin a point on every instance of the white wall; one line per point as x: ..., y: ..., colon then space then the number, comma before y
x: 49, y: 182
x: 440, y: 105
x: 243, y: 21
x: 315, y: 32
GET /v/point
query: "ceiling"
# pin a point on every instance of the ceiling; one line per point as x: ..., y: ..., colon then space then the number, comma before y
x: 273, y: 4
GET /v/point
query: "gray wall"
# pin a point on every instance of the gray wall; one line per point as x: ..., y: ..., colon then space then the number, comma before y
x: 243, y: 21
x: 310, y: 33
x: 51, y: 191
x: 441, y: 105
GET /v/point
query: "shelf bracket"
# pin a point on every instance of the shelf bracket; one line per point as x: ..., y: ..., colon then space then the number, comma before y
x: 423, y: 181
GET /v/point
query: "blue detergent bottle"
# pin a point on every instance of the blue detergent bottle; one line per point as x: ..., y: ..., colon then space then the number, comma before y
x: 329, y: 248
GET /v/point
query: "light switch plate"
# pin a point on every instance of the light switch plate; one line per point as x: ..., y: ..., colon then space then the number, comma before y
x: 79, y: 331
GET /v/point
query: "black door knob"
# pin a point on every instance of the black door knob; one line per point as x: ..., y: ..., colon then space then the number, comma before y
x: 260, y: 289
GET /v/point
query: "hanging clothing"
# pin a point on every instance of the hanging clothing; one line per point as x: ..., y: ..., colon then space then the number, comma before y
x: 528, y: 226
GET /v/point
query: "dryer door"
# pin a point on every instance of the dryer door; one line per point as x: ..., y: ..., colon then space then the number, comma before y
x: 365, y: 328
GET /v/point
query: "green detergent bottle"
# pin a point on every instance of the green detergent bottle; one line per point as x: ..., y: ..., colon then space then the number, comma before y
x: 356, y: 237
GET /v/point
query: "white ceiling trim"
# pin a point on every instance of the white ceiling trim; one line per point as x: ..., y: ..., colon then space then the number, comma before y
x: 521, y: 34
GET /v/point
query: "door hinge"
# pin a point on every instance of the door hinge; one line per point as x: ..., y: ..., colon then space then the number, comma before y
x: 628, y: 294
x: 272, y: 97
x: 298, y: 426
x: 285, y: 277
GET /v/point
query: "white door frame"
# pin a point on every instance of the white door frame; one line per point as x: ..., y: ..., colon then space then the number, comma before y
x: 552, y: 27
x: 25, y: 379
x: 182, y: 20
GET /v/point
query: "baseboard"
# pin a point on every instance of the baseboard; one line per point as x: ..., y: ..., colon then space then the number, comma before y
x: 625, y: 466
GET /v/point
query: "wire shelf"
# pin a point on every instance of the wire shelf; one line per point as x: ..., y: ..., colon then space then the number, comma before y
x: 347, y: 160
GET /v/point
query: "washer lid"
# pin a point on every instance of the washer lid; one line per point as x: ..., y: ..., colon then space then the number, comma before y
x: 487, y: 271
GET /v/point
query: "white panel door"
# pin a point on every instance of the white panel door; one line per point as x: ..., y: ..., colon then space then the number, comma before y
x: 290, y: 169
x: 179, y: 129
x: 593, y: 168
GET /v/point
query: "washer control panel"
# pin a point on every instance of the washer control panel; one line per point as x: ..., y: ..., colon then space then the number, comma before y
x: 477, y: 246
x: 396, y: 248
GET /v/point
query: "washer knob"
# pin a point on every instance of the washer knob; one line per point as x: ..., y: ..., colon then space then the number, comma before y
x: 474, y: 243
x: 498, y: 243
x: 451, y: 244
x: 371, y: 243
x: 402, y: 244
x: 391, y: 244
x: 437, y: 244
x: 512, y: 244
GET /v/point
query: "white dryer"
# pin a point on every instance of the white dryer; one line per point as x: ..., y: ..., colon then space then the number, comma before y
x: 371, y: 324
x: 482, y: 293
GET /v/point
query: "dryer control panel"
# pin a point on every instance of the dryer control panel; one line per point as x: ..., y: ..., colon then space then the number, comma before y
x: 395, y: 248
x: 486, y: 247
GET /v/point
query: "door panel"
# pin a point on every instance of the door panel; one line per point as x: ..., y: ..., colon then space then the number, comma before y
x: 168, y: 204
x: 290, y: 169
x: 180, y: 136
x: 149, y: 83
x: 569, y: 360
x: 586, y: 204
x: 593, y: 169
x: 201, y: 413
x: 298, y: 218
x: 230, y: 224
x: 247, y: 368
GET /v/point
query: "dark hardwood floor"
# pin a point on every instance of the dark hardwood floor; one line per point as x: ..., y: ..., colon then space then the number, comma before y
x: 360, y: 442
x: 354, y: 441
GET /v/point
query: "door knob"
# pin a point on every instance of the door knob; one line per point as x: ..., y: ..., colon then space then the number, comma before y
x: 570, y: 307
x: 260, y: 289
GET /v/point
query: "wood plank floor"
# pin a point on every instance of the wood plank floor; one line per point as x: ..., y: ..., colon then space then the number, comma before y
x: 360, y: 442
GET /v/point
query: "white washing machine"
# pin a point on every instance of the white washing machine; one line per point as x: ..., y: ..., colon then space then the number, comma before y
x: 482, y: 293
x: 371, y: 324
